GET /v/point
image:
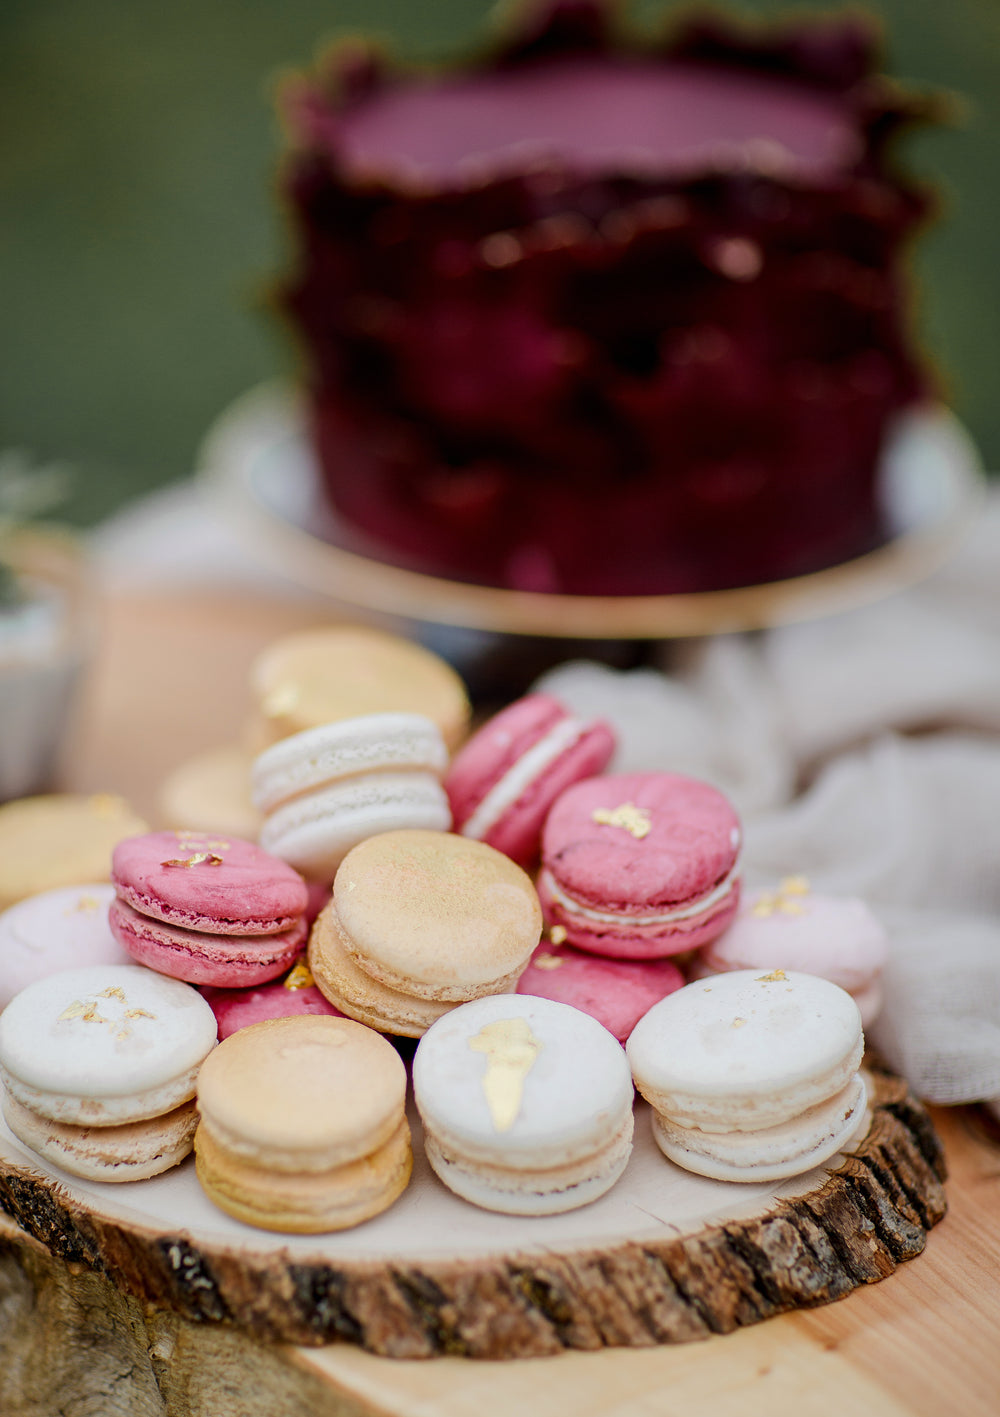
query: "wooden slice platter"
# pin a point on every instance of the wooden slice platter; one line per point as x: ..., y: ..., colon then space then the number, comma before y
x: 664, y: 1257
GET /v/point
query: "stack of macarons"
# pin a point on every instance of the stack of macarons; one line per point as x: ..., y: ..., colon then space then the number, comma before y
x: 207, y: 910
x: 100, y: 1068
x: 419, y: 922
x: 326, y: 789
x: 793, y: 928
x: 752, y: 1077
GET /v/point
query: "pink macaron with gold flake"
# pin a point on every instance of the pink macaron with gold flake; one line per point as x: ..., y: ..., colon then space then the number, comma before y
x: 208, y: 910
x: 640, y: 865
x: 281, y: 998
x: 502, y: 784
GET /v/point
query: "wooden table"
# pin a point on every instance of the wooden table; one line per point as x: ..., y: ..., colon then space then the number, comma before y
x: 170, y: 681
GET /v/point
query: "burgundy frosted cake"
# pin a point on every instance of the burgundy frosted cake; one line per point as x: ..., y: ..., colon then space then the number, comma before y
x: 599, y: 315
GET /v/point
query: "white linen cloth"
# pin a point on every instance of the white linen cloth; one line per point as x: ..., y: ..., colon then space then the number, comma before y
x: 862, y: 751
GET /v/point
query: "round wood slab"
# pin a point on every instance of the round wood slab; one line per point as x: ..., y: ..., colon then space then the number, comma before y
x: 664, y: 1257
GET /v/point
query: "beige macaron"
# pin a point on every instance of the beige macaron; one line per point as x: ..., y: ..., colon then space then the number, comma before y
x: 60, y: 840
x: 344, y: 671
x: 435, y: 916
x: 303, y: 1124
x: 211, y: 793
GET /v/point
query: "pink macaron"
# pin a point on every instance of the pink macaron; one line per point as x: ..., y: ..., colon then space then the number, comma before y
x: 201, y: 956
x: 502, y: 784
x: 835, y: 937
x: 617, y: 992
x: 282, y: 998
x: 200, y: 882
x: 640, y: 865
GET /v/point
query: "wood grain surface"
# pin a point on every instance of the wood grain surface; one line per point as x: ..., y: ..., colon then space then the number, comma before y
x: 171, y: 681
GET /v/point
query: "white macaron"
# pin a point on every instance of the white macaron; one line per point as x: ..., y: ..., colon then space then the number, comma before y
x: 752, y: 1076
x: 526, y: 1104
x: 326, y: 789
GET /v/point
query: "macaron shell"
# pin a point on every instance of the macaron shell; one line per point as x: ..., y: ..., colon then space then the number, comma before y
x: 198, y: 957
x: 346, y: 985
x: 742, y: 1051
x: 345, y: 671
x: 435, y: 915
x: 211, y: 794
x: 837, y: 938
x: 105, y: 1045
x: 572, y: 1091
x: 201, y: 882
x: 57, y: 840
x: 617, y: 993
x: 315, y: 832
x: 240, y: 1008
x: 549, y: 1192
x: 787, y: 1149
x: 378, y: 742
x: 131, y: 1152
x: 690, y: 845
x: 302, y: 1094
x: 501, y: 742
x: 61, y: 929
x: 307, y: 1202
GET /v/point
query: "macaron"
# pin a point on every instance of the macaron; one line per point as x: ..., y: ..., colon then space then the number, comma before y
x: 504, y: 780
x: 346, y: 671
x: 211, y: 793
x: 640, y: 865
x: 327, y: 789
x: 616, y: 992
x: 282, y: 998
x: 61, y: 929
x: 526, y: 1105
x: 58, y: 840
x: 431, y: 920
x: 101, y: 1064
x: 207, y: 910
x: 791, y: 928
x: 303, y: 1126
x: 752, y: 1077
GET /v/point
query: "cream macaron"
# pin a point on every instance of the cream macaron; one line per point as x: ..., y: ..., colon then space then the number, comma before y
x: 100, y: 1067
x: 421, y: 921
x: 752, y: 1077
x: 303, y: 1126
x: 325, y: 790
x: 526, y: 1104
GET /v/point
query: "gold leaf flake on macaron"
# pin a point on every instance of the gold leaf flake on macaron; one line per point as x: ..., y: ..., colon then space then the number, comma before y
x: 115, y: 992
x: 558, y: 934
x: 200, y: 858
x: 777, y: 976
x: 280, y: 701
x: 635, y: 820
x: 547, y: 961
x: 299, y: 978
x: 85, y: 905
x: 511, y: 1050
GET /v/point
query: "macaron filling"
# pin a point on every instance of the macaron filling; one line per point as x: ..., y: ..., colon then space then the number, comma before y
x: 513, y: 784
x: 676, y: 914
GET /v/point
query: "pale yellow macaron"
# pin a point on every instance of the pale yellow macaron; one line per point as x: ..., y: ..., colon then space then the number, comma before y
x: 211, y: 793
x: 60, y: 840
x: 303, y: 1124
x: 421, y: 921
x: 344, y: 671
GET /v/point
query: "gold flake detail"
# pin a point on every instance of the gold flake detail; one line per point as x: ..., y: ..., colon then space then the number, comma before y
x: 299, y: 978
x: 738, y: 1022
x: 114, y: 992
x: 86, y: 905
x: 558, y: 934
x: 200, y: 858
x: 137, y: 1013
x: 783, y: 899
x: 78, y: 1009
x: 635, y: 820
x: 547, y: 961
x: 511, y: 1049
x: 777, y: 976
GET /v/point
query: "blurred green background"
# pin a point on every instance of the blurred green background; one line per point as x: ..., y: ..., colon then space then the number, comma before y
x: 139, y: 235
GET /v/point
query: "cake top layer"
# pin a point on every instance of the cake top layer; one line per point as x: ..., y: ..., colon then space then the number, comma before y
x: 598, y: 115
